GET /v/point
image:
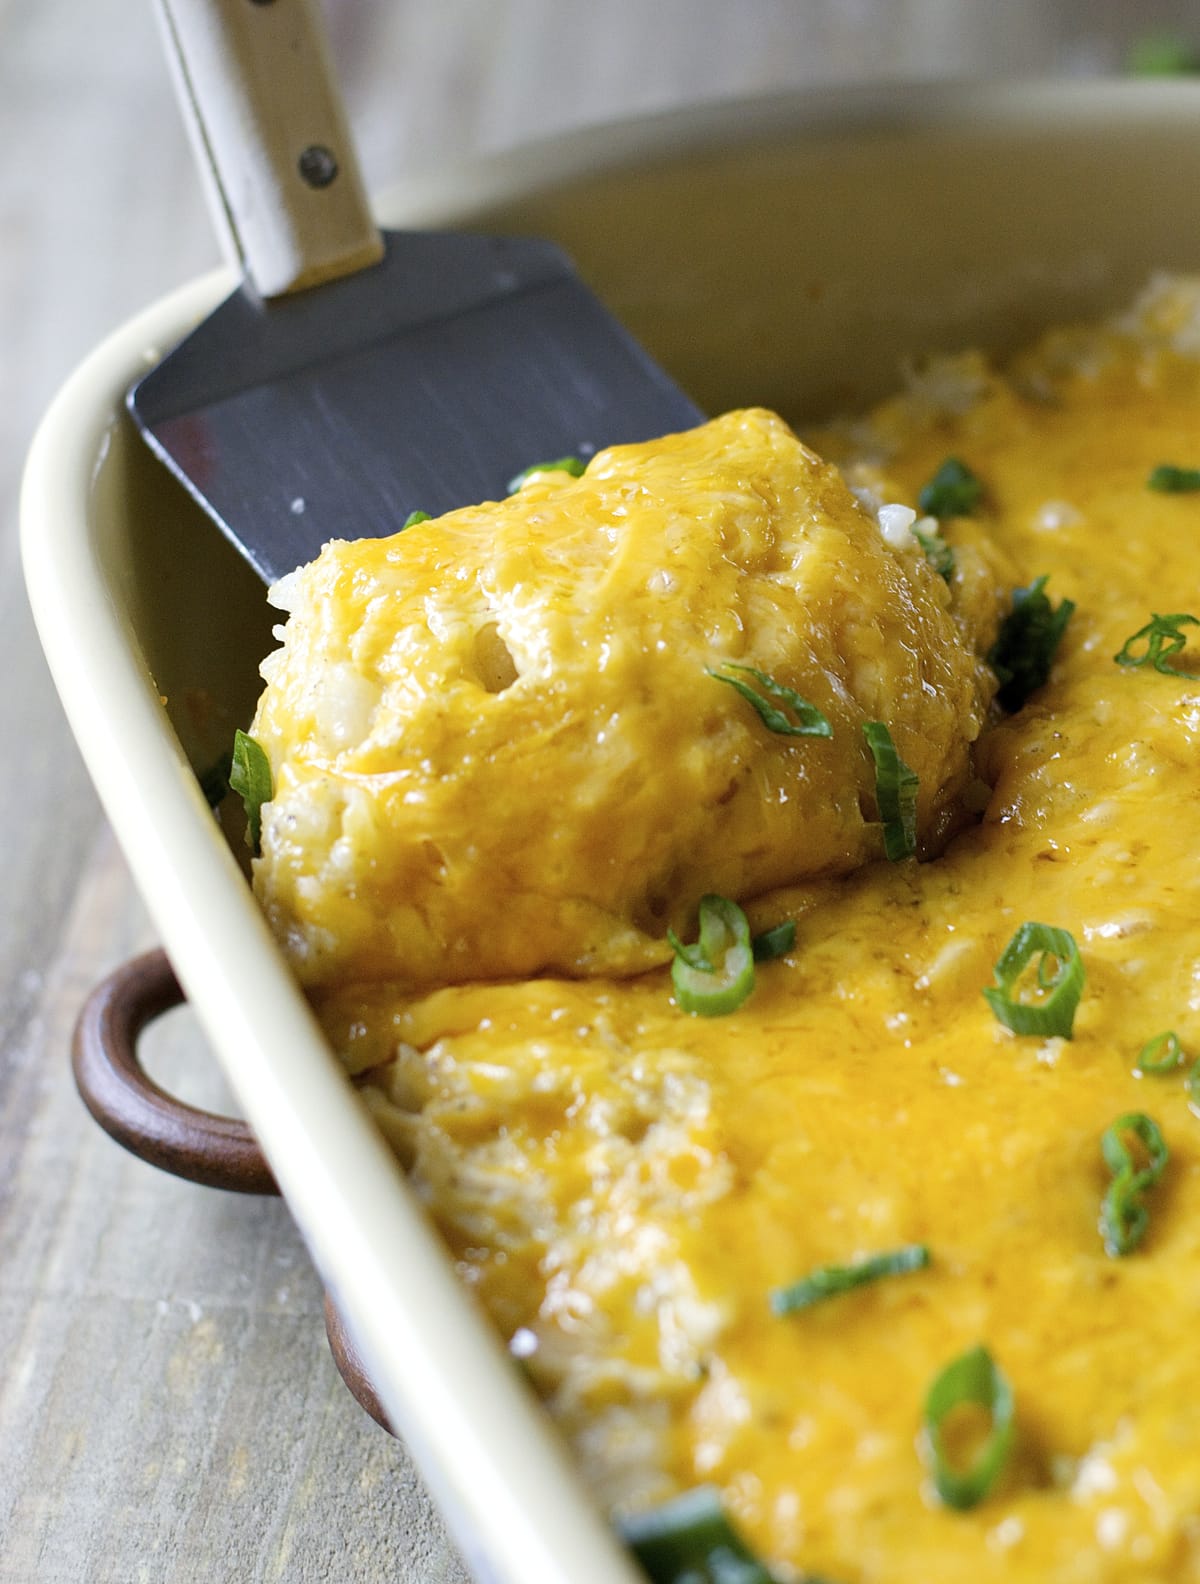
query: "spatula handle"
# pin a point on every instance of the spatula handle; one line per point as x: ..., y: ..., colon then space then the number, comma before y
x: 256, y: 84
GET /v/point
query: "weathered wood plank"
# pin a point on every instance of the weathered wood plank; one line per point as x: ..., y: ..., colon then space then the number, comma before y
x: 170, y: 1410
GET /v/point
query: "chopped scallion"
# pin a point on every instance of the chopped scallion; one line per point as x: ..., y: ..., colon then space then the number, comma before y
x: 1162, y: 1054
x: 830, y: 1280
x: 1060, y: 979
x: 690, y: 1540
x: 1026, y: 644
x: 575, y: 466
x: 953, y: 491
x: 1162, y: 639
x: 937, y: 552
x: 775, y: 942
x: 715, y: 975
x: 1123, y: 1216
x: 1163, y: 55
x: 972, y: 1378
x: 250, y: 778
x: 808, y: 722
x: 414, y: 518
x: 896, y: 787
x: 1170, y: 480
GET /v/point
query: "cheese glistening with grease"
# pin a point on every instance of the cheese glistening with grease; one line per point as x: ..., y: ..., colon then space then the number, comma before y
x: 497, y: 747
x: 624, y: 1186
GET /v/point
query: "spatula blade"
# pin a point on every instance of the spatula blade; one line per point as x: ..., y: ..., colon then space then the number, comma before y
x: 423, y: 383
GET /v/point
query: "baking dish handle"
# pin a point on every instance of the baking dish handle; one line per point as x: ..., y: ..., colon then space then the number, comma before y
x: 199, y: 1146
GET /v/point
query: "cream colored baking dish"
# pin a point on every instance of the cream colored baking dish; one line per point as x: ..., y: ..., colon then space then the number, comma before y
x: 791, y: 252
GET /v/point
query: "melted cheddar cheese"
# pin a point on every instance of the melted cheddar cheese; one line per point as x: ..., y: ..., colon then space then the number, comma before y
x: 496, y: 745
x: 624, y: 1185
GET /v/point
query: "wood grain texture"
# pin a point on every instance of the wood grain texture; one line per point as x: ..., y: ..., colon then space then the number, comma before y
x: 169, y: 1410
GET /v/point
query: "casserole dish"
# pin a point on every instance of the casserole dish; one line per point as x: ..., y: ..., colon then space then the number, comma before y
x: 799, y: 251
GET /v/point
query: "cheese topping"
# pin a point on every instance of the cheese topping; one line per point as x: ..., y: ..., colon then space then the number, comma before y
x: 499, y: 746
x: 626, y: 1187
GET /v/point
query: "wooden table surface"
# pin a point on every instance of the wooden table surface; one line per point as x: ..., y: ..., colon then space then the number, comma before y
x: 169, y: 1411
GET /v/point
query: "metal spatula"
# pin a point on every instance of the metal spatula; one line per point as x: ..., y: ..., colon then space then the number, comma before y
x: 356, y: 377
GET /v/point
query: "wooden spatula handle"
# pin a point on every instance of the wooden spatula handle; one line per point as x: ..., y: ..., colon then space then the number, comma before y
x: 258, y: 91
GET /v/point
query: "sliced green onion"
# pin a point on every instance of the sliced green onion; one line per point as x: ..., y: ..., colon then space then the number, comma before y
x: 775, y: 942
x: 895, y: 792
x: 414, y: 518
x: 716, y: 974
x: 830, y: 1280
x: 974, y: 1377
x: 1026, y: 644
x: 1123, y: 1216
x: 937, y: 552
x: 809, y: 721
x: 1117, y: 1155
x: 691, y: 955
x: 1163, y: 639
x: 1060, y: 977
x: 1163, y: 55
x: 1169, y: 480
x: 690, y: 1540
x: 250, y: 778
x: 953, y: 491
x: 575, y: 466
x: 1162, y: 1054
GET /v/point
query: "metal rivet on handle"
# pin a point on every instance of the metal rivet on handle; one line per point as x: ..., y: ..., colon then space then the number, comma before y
x: 317, y: 165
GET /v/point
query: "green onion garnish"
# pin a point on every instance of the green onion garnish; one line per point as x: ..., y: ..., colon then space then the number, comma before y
x: 1060, y: 980
x: 937, y: 552
x: 895, y: 792
x: 1162, y: 1054
x: 1163, y: 639
x: 1025, y: 646
x: 972, y: 1378
x: 250, y: 778
x: 1123, y: 1216
x: 775, y: 942
x: 809, y: 721
x: 690, y: 1540
x: 575, y: 466
x: 1163, y: 55
x: 1170, y: 480
x: 830, y: 1280
x: 953, y: 491
x: 414, y: 518
x: 717, y: 974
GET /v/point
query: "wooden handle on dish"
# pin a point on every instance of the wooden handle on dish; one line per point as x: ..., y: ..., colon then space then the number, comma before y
x: 350, y: 1365
x: 256, y: 83
x: 217, y: 1151
x: 131, y: 1108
